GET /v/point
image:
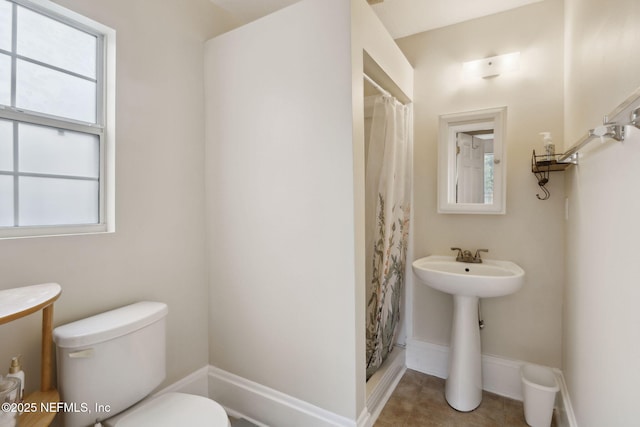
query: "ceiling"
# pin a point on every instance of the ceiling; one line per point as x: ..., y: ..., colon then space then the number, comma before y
x: 401, y: 17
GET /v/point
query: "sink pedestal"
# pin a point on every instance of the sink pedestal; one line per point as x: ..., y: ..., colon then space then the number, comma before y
x: 463, y: 387
x: 467, y: 282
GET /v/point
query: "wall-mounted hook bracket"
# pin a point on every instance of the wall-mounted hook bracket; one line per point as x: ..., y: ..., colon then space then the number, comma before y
x: 541, y: 166
x: 571, y: 160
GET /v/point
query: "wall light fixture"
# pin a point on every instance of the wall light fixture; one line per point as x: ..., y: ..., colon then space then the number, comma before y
x: 491, y: 67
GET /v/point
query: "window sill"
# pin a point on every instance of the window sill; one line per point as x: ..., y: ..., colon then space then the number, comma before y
x: 50, y: 231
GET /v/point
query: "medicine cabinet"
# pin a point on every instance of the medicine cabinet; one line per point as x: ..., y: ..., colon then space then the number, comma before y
x: 472, y: 162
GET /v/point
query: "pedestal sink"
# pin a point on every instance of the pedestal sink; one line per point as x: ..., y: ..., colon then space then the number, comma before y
x: 467, y: 283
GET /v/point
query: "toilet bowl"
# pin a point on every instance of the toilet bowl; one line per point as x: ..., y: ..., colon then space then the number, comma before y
x: 108, y: 364
x: 170, y: 410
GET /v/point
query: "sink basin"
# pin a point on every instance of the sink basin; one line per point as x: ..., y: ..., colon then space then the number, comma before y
x: 492, y: 278
x: 467, y: 283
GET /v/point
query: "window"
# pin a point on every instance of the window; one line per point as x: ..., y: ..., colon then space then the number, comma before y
x: 56, y: 121
x: 488, y: 178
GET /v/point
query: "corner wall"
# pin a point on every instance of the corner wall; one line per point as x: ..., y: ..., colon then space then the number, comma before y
x: 526, y: 325
x: 157, y: 251
x: 601, y: 346
x: 285, y: 199
x: 280, y: 205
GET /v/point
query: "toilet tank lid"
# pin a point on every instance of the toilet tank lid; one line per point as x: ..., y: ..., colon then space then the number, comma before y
x: 108, y: 325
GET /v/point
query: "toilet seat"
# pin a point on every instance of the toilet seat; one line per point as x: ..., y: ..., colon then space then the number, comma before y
x: 170, y: 410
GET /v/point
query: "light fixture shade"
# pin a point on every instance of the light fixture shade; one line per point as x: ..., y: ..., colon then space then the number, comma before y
x: 493, y: 66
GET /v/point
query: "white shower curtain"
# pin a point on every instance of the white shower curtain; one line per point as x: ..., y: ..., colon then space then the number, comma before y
x: 388, y: 198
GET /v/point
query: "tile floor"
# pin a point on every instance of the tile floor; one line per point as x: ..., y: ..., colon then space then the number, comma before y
x: 418, y: 401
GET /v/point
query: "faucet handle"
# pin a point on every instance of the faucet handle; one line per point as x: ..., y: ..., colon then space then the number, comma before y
x: 477, y: 255
x: 459, y: 253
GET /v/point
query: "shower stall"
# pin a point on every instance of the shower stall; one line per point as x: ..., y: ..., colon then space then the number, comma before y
x: 387, y: 209
x: 388, y: 167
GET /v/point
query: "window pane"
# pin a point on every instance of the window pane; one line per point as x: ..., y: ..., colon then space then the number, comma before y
x: 6, y: 201
x: 54, y: 43
x: 5, y: 25
x: 52, y: 92
x: 51, y: 201
x: 488, y: 178
x: 5, y: 79
x: 6, y: 145
x: 58, y: 152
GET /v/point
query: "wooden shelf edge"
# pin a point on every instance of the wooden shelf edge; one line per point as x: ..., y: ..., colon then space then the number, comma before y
x: 40, y: 400
x: 43, y: 296
x: 41, y: 407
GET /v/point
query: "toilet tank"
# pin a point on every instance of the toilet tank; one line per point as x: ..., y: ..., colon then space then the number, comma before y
x: 108, y: 362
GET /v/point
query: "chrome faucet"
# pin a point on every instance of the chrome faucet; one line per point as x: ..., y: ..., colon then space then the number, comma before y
x: 465, y: 256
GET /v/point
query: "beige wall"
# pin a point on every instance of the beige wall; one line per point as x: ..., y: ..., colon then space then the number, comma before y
x: 601, y: 346
x: 158, y: 250
x: 285, y: 199
x: 280, y: 207
x: 525, y: 325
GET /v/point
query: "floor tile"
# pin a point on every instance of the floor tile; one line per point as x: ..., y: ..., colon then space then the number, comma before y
x: 418, y: 401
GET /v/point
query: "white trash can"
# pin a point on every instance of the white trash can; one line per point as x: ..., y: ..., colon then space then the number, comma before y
x: 539, y: 388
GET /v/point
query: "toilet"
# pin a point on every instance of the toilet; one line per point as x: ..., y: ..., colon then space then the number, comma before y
x: 109, y: 363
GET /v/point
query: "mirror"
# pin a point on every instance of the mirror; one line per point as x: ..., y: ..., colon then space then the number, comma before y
x: 472, y: 162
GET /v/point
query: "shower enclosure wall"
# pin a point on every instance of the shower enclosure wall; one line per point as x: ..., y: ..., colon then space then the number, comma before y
x: 285, y: 206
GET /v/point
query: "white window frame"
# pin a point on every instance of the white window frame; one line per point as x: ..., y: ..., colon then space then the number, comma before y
x: 104, y: 127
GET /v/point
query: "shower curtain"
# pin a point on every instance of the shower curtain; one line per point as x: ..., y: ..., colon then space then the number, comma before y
x: 388, y: 198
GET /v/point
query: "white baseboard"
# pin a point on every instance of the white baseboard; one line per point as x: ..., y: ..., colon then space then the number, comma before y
x: 364, y: 420
x: 502, y: 376
x: 381, y: 384
x: 427, y: 358
x: 257, y: 402
x: 566, y: 416
x: 264, y: 406
x: 499, y: 375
